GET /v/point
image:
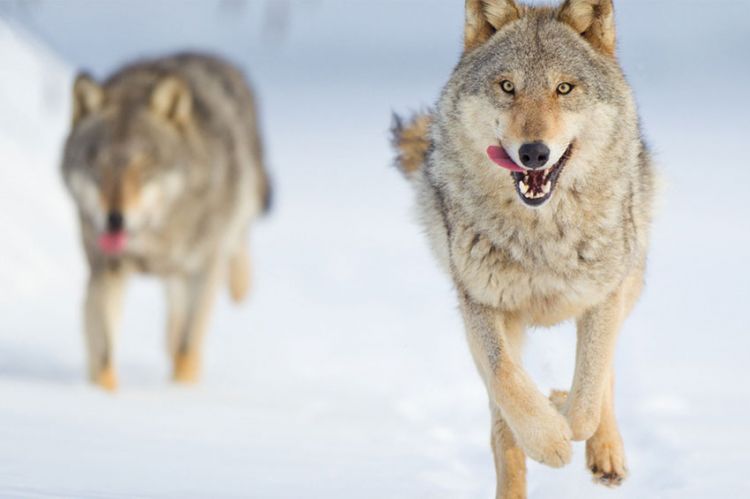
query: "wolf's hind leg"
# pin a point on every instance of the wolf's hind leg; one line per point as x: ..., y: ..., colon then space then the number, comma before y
x: 190, y: 300
x: 510, y: 461
x: 240, y: 273
x: 539, y: 429
x: 605, y: 452
x: 103, y: 308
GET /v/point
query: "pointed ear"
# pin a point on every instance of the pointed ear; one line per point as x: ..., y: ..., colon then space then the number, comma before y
x: 594, y: 20
x: 88, y: 97
x: 485, y: 17
x: 171, y: 99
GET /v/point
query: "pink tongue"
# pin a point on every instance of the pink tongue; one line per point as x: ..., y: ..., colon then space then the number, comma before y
x: 112, y: 243
x: 498, y: 156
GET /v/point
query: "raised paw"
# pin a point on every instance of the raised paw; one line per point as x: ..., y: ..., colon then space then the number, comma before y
x: 558, y: 399
x: 582, y: 422
x: 605, y: 458
x: 545, y: 438
x: 583, y: 416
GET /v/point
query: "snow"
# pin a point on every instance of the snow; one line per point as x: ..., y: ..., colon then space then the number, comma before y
x: 347, y: 374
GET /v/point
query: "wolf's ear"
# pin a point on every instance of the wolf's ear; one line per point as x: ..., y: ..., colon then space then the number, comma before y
x: 171, y: 99
x: 485, y: 17
x: 594, y: 20
x: 88, y: 97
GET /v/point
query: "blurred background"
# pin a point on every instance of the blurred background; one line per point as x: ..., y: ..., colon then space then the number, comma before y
x: 367, y: 388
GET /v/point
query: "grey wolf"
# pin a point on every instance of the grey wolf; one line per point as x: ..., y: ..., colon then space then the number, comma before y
x: 165, y: 164
x: 536, y: 190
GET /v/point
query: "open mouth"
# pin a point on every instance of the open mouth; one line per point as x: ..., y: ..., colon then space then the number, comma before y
x: 534, y: 187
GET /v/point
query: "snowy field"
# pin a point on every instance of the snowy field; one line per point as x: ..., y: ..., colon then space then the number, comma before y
x: 347, y: 374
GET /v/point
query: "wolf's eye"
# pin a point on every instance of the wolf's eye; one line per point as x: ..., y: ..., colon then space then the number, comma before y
x: 564, y: 88
x: 508, y: 87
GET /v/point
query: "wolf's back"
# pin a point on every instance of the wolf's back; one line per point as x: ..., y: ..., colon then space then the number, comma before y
x: 411, y: 140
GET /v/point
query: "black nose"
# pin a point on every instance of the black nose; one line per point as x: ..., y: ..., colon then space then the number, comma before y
x: 534, y: 155
x: 115, y: 221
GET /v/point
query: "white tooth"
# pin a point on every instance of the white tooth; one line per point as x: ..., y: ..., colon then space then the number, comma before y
x: 523, y: 187
x: 547, y: 187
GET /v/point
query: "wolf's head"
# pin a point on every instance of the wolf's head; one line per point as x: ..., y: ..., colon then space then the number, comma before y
x: 537, y: 89
x: 126, y: 155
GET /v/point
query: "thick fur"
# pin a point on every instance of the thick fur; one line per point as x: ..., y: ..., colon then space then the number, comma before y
x: 411, y: 141
x: 173, y: 144
x: 580, y: 256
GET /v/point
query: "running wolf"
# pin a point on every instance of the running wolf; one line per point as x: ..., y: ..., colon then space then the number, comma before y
x: 164, y: 162
x: 536, y: 191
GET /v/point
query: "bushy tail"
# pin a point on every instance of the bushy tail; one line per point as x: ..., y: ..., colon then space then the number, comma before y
x: 411, y: 140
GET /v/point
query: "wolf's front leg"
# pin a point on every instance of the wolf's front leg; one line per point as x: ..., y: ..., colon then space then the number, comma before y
x: 190, y: 300
x: 605, y: 452
x: 539, y: 429
x: 510, y: 460
x: 598, y: 329
x: 102, y: 310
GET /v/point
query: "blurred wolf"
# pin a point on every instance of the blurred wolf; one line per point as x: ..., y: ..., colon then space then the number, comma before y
x: 536, y: 191
x: 165, y: 164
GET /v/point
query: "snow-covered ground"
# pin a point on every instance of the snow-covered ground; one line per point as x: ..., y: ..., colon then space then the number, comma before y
x: 347, y: 374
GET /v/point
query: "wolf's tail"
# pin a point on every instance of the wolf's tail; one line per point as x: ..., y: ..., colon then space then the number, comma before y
x: 411, y: 140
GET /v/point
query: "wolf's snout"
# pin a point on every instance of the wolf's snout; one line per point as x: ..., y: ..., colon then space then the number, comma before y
x: 534, y: 155
x: 115, y: 222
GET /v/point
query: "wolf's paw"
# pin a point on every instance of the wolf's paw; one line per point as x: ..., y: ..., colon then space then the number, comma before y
x: 583, y: 418
x: 545, y: 438
x: 605, y: 458
x: 106, y: 379
x: 582, y: 424
x: 558, y: 399
x: 186, y: 368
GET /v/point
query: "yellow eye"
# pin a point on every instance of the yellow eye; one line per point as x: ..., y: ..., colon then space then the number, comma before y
x: 564, y: 88
x: 508, y: 86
